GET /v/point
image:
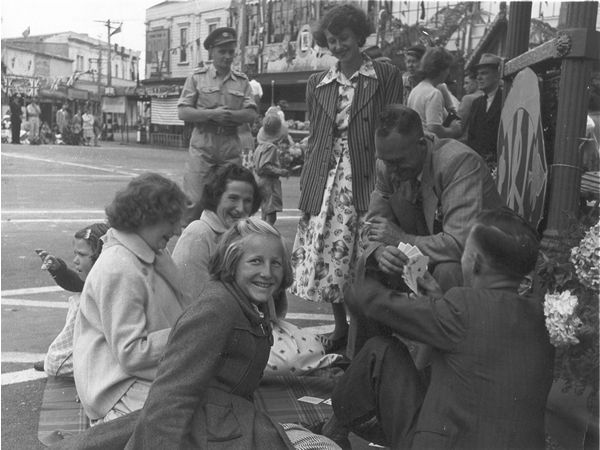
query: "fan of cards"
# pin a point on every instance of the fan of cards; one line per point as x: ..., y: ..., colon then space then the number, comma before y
x: 415, y: 267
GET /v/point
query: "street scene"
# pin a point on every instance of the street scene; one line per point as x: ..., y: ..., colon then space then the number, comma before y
x: 312, y: 224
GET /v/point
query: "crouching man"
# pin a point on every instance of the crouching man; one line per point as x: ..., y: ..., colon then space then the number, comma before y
x: 491, y: 367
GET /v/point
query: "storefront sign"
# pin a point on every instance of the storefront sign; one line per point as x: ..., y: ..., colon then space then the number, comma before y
x: 114, y: 104
x: 522, y: 167
x: 157, y: 51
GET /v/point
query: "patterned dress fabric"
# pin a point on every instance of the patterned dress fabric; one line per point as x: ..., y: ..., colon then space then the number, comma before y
x: 327, y: 244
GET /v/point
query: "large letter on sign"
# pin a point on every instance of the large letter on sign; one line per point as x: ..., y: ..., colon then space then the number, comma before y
x: 522, y: 167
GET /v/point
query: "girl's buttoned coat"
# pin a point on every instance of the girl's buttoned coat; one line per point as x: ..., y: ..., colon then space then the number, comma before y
x: 202, y: 395
x: 370, y: 98
x: 130, y: 301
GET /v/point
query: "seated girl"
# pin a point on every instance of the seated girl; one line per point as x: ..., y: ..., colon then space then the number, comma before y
x: 130, y: 300
x: 87, y: 246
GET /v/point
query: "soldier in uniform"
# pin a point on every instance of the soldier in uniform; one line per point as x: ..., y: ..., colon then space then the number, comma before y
x: 217, y: 100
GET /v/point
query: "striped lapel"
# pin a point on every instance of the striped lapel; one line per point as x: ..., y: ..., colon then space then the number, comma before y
x: 326, y: 97
x: 365, y: 90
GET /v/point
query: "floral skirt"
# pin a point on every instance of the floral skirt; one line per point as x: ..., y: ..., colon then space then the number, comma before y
x: 327, y: 247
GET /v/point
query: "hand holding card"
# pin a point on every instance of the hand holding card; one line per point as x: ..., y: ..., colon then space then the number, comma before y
x: 416, y: 266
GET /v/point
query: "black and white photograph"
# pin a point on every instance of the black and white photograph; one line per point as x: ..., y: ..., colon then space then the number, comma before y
x: 300, y: 224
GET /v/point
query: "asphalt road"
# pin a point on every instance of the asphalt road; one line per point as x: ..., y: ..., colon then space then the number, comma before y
x: 47, y: 194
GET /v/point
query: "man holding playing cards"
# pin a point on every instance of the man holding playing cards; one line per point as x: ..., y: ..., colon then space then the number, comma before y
x: 427, y: 193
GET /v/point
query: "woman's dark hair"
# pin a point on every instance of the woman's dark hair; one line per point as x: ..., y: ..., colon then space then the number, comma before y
x: 92, y: 235
x: 434, y: 62
x: 217, y: 181
x: 340, y: 17
x: 147, y: 200
x: 508, y: 243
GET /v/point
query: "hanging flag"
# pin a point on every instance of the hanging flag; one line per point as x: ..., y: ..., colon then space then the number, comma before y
x: 27, y: 32
x: 116, y: 30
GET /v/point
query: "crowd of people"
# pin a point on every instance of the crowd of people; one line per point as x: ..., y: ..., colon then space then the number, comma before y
x: 78, y: 128
x: 167, y: 350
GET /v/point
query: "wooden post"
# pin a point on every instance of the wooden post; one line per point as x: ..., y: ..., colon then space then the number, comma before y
x: 573, y: 96
x: 517, y: 35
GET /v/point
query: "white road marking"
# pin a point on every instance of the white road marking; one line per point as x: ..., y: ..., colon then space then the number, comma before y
x: 62, y: 175
x: 52, y: 211
x: 21, y: 357
x: 305, y: 316
x: 65, y: 163
x: 22, y: 376
x: 33, y: 303
x: 28, y: 291
x: 96, y: 219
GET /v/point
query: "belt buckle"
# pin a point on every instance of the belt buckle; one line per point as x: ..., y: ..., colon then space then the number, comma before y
x: 220, y: 130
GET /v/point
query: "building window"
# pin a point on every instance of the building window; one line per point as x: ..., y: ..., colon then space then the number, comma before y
x: 116, y: 71
x: 79, y: 62
x: 183, y: 45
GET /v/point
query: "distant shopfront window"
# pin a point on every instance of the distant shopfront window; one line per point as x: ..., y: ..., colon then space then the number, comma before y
x: 183, y: 45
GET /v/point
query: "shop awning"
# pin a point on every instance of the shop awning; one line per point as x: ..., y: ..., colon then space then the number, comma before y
x: 164, y: 111
x: 51, y: 94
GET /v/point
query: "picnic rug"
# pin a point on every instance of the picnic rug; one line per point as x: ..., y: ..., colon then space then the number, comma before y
x: 287, y: 399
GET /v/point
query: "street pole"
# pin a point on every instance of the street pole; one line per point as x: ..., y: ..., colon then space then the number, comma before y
x: 109, y: 69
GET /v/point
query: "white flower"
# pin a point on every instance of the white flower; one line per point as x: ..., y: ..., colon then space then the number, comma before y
x: 586, y: 258
x: 561, y: 322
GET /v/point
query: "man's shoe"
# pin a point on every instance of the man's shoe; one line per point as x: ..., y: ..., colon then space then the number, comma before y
x: 39, y: 366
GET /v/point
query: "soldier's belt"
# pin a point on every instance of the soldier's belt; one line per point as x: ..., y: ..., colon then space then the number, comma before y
x: 216, y: 129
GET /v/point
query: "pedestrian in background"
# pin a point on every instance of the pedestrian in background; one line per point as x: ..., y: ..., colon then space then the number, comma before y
x: 16, y: 114
x: 267, y: 167
x: 412, y: 59
x: 484, y: 121
x: 338, y: 175
x: 62, y: 119
x: 88, y: 127
x: 471, y: 92
x: 429, y: 101
x: 33, y: 115
x: 76, y: 128
x: 217, y: 100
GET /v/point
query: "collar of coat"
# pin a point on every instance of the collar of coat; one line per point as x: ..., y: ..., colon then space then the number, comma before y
x: 213, y: 221
x: 163, y: 263
x: 335, y: 74
x: 252, y: 314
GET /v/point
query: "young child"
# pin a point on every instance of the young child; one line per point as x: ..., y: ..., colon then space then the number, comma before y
x: 86, y: 246
x: 267, y: 168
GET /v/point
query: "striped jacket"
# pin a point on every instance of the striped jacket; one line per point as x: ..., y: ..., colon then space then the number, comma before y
x: 370, y: 98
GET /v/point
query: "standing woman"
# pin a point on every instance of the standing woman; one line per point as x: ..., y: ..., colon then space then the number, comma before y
x: 339, y: 170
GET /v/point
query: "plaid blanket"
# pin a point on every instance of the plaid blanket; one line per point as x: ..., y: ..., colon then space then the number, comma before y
x: 62, y: 415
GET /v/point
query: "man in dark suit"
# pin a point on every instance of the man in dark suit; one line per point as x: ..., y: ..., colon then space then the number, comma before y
x: 484, y: 119
x: 492, y: 362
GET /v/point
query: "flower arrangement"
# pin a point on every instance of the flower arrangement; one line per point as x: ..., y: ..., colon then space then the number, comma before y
x: 561, y: 321
x: 586, y: 259
x: 571, y: 282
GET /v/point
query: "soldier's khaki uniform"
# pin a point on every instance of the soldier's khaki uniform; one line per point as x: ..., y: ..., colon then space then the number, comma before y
x: 211, y: 143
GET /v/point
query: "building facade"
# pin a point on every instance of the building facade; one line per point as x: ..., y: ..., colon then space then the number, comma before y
x: 71, y: 68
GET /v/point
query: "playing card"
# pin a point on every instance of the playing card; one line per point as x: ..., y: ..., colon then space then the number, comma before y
x: 309, y: 399
x: 415, y: 267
